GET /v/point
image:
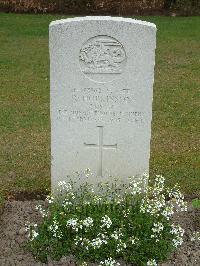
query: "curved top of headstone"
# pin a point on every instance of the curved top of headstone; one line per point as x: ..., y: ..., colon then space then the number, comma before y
x: 102, y: 18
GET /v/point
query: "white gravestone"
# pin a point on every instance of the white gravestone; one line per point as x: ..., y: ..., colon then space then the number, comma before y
x: 102, y: 71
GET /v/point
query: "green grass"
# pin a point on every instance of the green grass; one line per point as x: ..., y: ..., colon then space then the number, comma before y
x: 2, y: 201
x: 24, y: 116
x: 196, y: 203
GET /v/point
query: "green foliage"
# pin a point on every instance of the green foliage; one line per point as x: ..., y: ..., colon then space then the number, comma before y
x: 44, y: 6
x: 2, y: 201
x: 183, y: 7
x: 111, y: 221
x: 196, y: 203
x: 186, y: 7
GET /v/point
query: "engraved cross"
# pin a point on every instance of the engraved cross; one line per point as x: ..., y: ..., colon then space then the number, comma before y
x: 101, y: 146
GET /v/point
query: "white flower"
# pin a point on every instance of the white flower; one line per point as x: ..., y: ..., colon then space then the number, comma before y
x: 34, y: 234
x: 78, y: 239
x: 42, y: 211
x: 73, y: 223
x: 158, y: 186
x: 87, y: 172
x: 103, y: 237
x: 66, y: 203
x: 177, y: 199
x: 31, y: 229
x: 126, y: 212
x: 160, y: 180
x: 164, y: 201
x: 178, y: 233
x: 88, y: 222
x: 177, y: 242
x: 109, y: 262
x: 157, y: 227
x: 106, y: 222
x: 97, y: 198
x: 120, y: 246
x: 100, y: 240
x: 177, y: 230
x: 55, y: 230
x: 84, y: 264
x: 116, y: 234
x: 136, y: 184
x: 153, y: 206
x: 168, y: 212
x: 85, y: 243
x: 151, y: 263
x: 145, y: 175
x: 134, y: 240
x: 96, y: 243
x: 64, y: 186
x: 50, y: 199
x: 195, y: 236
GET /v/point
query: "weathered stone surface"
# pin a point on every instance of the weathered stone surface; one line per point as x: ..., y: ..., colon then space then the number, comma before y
x: 102, y: 71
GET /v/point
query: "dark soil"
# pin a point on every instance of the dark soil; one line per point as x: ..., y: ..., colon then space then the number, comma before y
x: 13, y: 237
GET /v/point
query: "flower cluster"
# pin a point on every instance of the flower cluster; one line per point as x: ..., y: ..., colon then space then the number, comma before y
x: 50, y: 199
x: 88, y: 222
x: 73, y: 223
x: 134, y: 240
x: 162, y: 202
x: 97, y: 242
x: 177, y: 198
x: 178, y: 233
x: 77, y: 225
x: 109, y: 221
x: 109, y: 262
x: 153, y: 206
x: 64, y: 186
x: 121, y: 245
x: 157, y: 230
x: 84, y: 242
x: 126, y: 212
x: 195, y: 236
x: 138, y: 185
x: 66, y: 203
x: 151, y: 263
x: 54, y: 228
x: 42, y: 211
x: 32, y: 228
x: 117, y: 234
x: 106, y: 222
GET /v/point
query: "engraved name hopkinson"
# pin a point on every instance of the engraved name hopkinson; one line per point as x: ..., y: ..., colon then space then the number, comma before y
x: 102, y: 55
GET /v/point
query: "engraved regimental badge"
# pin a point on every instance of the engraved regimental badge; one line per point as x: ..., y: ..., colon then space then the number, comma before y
x: 100, y: 56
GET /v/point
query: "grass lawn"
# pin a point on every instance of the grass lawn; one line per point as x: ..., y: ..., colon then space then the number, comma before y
x: 24, y: 116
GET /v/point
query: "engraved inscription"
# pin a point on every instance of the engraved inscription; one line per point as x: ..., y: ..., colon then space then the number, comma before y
x: 102, y: 55
x: 102, y: 105
x: 101, y: 146
x: 101, y: 116
x: 99, y: 97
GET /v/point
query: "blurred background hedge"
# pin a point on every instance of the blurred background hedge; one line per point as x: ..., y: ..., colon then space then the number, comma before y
x: 103, y: 7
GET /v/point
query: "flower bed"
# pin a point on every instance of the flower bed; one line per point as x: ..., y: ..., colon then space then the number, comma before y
x: 114, y: 221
